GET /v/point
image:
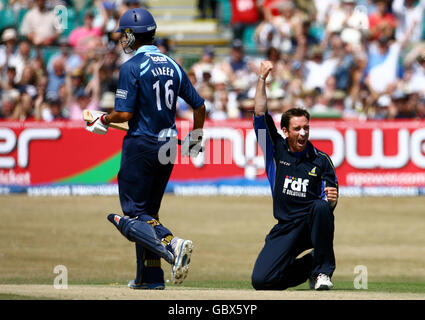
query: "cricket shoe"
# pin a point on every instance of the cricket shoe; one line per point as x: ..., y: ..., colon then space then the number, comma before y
x: 182, y: 252
x: 323, y: 282
x: 146, y: 286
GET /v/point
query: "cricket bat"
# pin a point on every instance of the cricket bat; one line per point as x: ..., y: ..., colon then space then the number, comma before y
x: 87, y: 116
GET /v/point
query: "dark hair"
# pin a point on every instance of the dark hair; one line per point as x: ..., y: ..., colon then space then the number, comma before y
x: 289, y: 114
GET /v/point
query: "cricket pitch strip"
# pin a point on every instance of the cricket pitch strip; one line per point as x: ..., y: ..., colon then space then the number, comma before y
x: 120, y: 292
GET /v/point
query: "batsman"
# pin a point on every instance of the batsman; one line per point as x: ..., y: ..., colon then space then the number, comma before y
x: 148, y: 86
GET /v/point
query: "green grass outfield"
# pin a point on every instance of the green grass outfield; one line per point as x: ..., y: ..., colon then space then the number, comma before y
x: 38, y: 233
x: 401, y: 287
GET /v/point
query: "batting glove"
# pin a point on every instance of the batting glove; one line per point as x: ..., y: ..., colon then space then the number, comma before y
x: 192, y: 144
x: 98, y: 125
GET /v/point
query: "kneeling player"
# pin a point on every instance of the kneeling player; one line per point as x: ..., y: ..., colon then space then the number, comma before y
x: 305, y: 192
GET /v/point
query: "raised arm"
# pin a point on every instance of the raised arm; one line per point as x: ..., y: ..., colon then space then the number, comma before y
x: 260, y: 99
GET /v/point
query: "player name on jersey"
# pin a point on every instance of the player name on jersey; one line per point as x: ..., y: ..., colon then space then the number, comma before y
x: 163, y: 71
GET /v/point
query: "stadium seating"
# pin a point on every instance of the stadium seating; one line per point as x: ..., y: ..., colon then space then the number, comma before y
x: 7, y: 19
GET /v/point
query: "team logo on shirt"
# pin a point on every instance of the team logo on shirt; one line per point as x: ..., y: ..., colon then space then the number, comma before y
x: 284, y: 163
x: 297, y: 187
x: 313, y: 172
x: 156, y: 59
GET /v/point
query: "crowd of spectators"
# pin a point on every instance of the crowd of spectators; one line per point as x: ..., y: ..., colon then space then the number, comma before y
x: 52, y: 67
x: 347, y: 59
x: 337, y: 58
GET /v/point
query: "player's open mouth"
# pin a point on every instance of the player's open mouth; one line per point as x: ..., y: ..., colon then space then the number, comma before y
x: 301, y: 142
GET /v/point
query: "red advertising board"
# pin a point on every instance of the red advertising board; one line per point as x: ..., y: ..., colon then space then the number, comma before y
x: 33, y: 153
x: 365, y: 154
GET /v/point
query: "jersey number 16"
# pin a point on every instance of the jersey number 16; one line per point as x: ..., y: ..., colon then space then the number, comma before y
x: 168, y: 97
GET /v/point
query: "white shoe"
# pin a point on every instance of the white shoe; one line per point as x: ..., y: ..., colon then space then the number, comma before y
x: 323, y: 282
x: 182, y: 252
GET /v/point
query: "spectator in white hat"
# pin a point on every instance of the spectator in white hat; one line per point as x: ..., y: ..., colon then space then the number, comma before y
x: 107, y: 102
x: 8, y: 46
x: 9, y: 100
x: 383, y: 106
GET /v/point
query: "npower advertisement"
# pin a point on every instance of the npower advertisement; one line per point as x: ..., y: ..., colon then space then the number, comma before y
x: 61, y: 158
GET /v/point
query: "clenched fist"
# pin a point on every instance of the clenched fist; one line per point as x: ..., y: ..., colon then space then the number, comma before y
x: 265, y: 68
x: 331, y: 194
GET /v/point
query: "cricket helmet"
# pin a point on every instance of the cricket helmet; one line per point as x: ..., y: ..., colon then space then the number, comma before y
x: 137, y: 21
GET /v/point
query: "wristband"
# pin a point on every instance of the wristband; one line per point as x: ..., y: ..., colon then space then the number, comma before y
x: 261, y: 77
x: 103, y: 120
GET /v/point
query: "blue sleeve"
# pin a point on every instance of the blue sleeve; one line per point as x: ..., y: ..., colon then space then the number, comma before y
x: 267, y: 144
x: 127, y: 89
x: 329, y: 174
x: 188, y: 92
x: 329, y: 178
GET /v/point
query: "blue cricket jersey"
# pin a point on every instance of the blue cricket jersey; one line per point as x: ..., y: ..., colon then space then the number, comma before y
x: 149, y: 85
x: 296, y: 180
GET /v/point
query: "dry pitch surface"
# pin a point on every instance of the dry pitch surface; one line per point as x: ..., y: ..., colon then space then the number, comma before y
x: 37, y: 234
x: 98, y: 292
